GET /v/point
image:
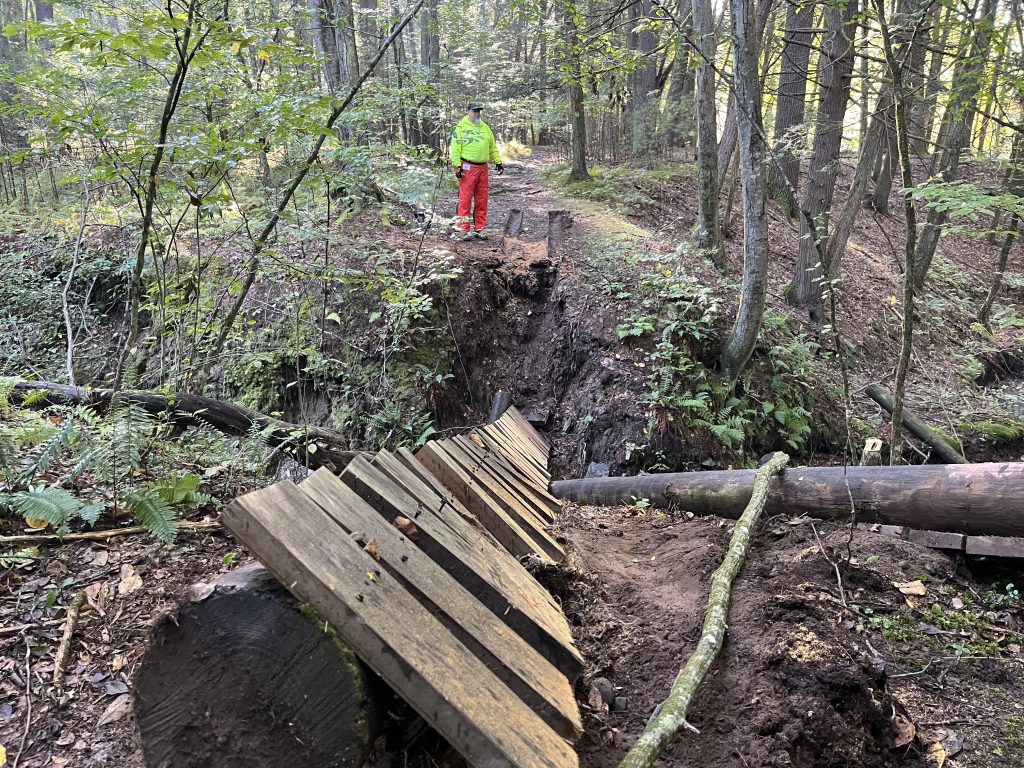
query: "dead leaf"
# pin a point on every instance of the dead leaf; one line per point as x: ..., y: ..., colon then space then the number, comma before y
x: 96, y: 595
x: 906, y: 731
x: 118, y: 662
x: 55, y: 762
x: 956, y: 603
x: 477, y: 441
x: 130, y: 580
x: 35, y: 523
x: 3, y: 756
x: 117, y: 710
x: 115, y: 688
x: 66, y: 739
x: 372, y: 548
x: 915, y: 587
x: 100, y: 558
x: 596, y: 701
x: 953, y: 744
x: 935, y: 755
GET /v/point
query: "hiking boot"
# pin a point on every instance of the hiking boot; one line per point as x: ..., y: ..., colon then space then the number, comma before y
x: 482, y: 235
x: 460, y: 235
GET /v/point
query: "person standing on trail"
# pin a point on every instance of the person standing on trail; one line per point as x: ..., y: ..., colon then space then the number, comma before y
x: 472, y: 146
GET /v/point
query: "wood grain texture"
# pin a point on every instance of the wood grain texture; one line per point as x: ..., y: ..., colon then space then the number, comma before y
x: 486, y: 569
x: 393, y: 632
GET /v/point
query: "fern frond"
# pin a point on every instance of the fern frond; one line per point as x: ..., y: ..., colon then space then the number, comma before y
x: 154, y: 512
x: 8, y: 451
x: 54, y: 505
x: 34, y: 430
x: 180, y: 491
x: 6, y: 387
x: 17, y: 557
x: 35, y: 397
x: 55, y: 446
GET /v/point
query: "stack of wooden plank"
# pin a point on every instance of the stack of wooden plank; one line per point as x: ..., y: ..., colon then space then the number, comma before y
x: 415, y: 562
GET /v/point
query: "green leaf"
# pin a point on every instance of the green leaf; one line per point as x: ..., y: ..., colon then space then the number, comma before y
x: 154, y: 512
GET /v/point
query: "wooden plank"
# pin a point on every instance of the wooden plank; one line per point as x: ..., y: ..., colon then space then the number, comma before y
x: 541, y: 492
x: 386, y: 627
x: 507, y: 475
x: 485, y: 569
x: 514, y: 440
x: 995, y: 546
x: 937, y: 539
x: 445, y: 506
x: 528, y: 674
x: 466, y: 489
x: 527, y: 474
x: 514, y: 455
x: 513, y: 416
x: 514, y: 507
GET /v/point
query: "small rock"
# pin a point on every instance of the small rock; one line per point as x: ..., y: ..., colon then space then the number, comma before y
x: 709, y: 463
x: 620, y: 704
x: 597, y: 469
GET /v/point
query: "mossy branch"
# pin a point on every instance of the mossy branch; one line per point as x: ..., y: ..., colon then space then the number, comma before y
x: 671, y: 715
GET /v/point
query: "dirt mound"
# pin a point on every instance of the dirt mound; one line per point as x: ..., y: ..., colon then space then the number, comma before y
x: 798, y: 682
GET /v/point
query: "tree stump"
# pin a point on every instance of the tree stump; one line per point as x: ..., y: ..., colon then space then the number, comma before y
x: 242, y: 675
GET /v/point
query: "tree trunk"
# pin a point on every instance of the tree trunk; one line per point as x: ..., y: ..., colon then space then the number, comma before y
x: 577, y: 113
x: 1013, y: 183
x: 959, y: 114
x: 707, y: 232
x: 976, y: 499
x: 747, y: 92
x: 926, y: 106
x: 642, y: 82
x: 834, y: 73
x: 243, y: 675
x: 430, y: 58
x: 842, y: 226
x: 784, y: 174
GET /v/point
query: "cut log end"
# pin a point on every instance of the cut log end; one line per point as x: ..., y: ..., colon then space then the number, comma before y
x: 243, y: 678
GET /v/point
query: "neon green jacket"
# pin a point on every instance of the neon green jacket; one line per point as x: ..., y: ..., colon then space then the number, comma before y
x: 474, y: 143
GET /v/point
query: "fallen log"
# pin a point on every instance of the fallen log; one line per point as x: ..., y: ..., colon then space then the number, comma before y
x: 916, y: 426
x: 313, y: 447
x: 240, y: 676
x: 670, y: 717
x: 976, y: 499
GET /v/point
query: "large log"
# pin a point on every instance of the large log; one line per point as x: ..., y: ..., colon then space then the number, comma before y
x: 314, y: 447
x: 241, y: 676
x: 976, y: 499
x: 916, y: 426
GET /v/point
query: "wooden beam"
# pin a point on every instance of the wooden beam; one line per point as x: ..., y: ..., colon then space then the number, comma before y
x: 975, y: 499
x: 542, y: 687
x: 388, y: 628
x: 481, y: 565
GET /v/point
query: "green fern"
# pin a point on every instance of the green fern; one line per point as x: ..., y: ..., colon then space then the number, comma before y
x: 17, y: 557
x: 8, y: 452
x: 180, y: 491
x: 154, y: 512
x: 54, y: 505
x: 55, y: 446
x: 6, y: 388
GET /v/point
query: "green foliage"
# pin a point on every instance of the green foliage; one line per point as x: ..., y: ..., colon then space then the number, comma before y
x: 679, y: 313
x: 107, y: 460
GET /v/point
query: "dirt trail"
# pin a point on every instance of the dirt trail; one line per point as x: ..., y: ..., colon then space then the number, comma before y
x: 530, y: 320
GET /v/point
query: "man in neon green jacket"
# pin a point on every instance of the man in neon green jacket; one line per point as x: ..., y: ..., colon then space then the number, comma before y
x: 472, y: 146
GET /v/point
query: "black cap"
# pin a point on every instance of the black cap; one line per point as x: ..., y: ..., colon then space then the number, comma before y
x: 474, y: 105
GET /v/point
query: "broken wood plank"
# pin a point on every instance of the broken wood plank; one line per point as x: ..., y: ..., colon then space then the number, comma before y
x: 517, y: 664
x: 387, y: 627
x: 514, y: 507
x: 486, y: 569
x: 413, y: 478
x: 527, y: 475
x: 511, y: 434
x: 478, y: 501
x: 512, y: 415
x: 528, y: 467
x: 937, y: 539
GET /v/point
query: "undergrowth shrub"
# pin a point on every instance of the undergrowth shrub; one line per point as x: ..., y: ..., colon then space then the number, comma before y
x: 678, y: 315
x: 72, y: 464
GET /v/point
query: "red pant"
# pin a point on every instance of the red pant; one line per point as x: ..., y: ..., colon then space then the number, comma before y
x: 472, y: 189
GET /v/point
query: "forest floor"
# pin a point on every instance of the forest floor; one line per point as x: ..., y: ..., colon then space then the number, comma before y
x: 819, y: 669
